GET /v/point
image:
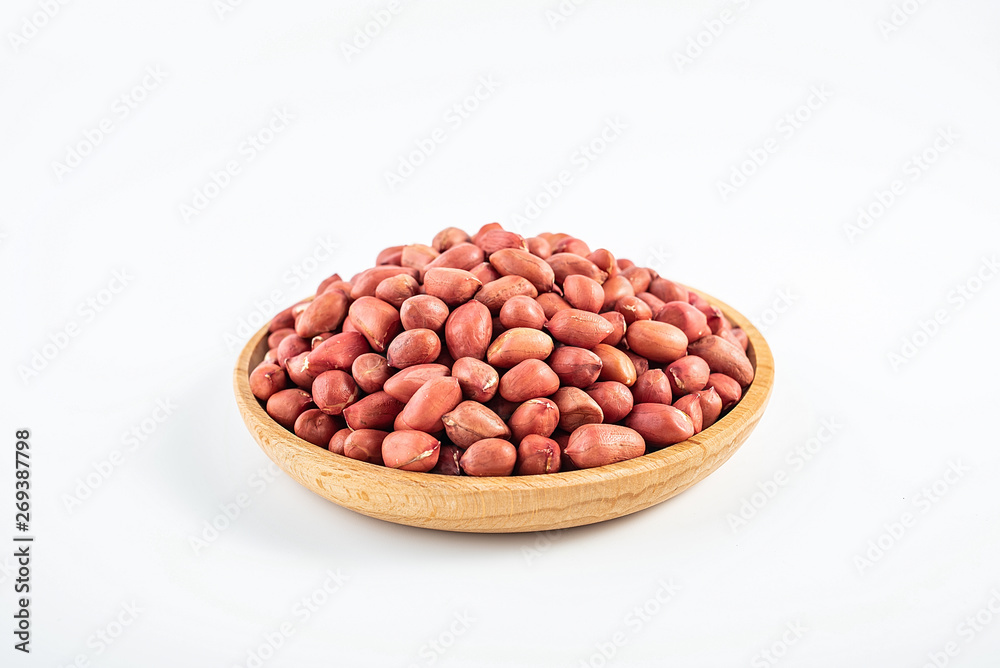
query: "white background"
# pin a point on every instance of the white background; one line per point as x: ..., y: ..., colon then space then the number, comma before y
x: 786, y: 240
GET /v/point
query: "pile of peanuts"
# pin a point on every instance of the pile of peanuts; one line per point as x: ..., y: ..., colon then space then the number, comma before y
x: 494, y: 355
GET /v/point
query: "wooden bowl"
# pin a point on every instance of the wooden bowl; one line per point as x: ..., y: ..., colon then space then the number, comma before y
x: 508, y: 504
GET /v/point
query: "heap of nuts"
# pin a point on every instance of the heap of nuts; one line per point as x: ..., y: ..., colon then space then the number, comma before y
x: 494, y: 355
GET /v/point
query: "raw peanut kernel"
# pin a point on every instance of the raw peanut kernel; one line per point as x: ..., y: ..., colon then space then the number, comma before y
x: 478, y: 380
x: 452, y: 286
x: 578, y: 328
x: 518, y: 344
x: 660, y: 424
x: 583, y: 293
x: 436, y: 397
x: 471, y: 421
x: 517, y: 262
x: 404, y: 384
x: 267, y: 379
x: 489, y: 457
x: 468, y: 331
x: 522, y: 311
x: 410, y: 450
x: 577, y: 367
x: 536, y: 455
x: 535, y: 416
x: 724, y: 357
x: 656, y: 341
x: 615, y: 365
x: 688, y: 374
x: 530, y: 379
x: 602, y: 444
x: 576, y: 408
x: 412, y: 347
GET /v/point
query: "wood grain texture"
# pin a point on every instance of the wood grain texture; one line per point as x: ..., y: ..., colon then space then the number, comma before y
x: 508, y: 504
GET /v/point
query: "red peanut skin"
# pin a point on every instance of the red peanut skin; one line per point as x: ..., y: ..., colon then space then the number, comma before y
x: 287, y: 405
x: 370, y: 371
x: 583, y: 292
x: 724, y: 357
x: 537, y: 455
x: 468, y: 331
x: 336, y: 445
x: 316, y: 427
x: 659, y: 424
x: 575, y: 327
x: 688, y: 374
x: 333, y: 391
x: 447, y: 463
x: 711, y: 406
x: 376, y: 411
x: 530, y: 379
x: 324, y: 314
x: 618, y: 324
x: 404, y: 384
x: 691, y: 405
x: 276, y: 337
x: 410, y: 450
x: 614, y: 398
x: 423, y: 312
x: 729, y: 390
x: 365, y: 445
x: 425, y: 408
x: 412, y: 347
x: 652, y: 387
x: 478, y: 380
x: 338, y: 352
x: 575, y: 366
x: 522, y: 311
x: 656, y: 341
x: 291, y: 346
x: 298, y: 371
x: 535, y: 416
x: 595, y: 445
x: 377, y: 320
x: 267, y: 379
x: 489, y: 457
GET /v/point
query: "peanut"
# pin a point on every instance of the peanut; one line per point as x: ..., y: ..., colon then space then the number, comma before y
x: 489, y: 457
x: 537, y: 455
x: 724, y: 357
x: 602, y: 444
x: 410, y: 450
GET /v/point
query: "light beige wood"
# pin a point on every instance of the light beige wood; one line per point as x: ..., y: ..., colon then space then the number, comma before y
x: 510, y: 504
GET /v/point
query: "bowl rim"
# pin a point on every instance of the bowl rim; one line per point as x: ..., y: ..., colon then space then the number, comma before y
x: 747, y: 411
